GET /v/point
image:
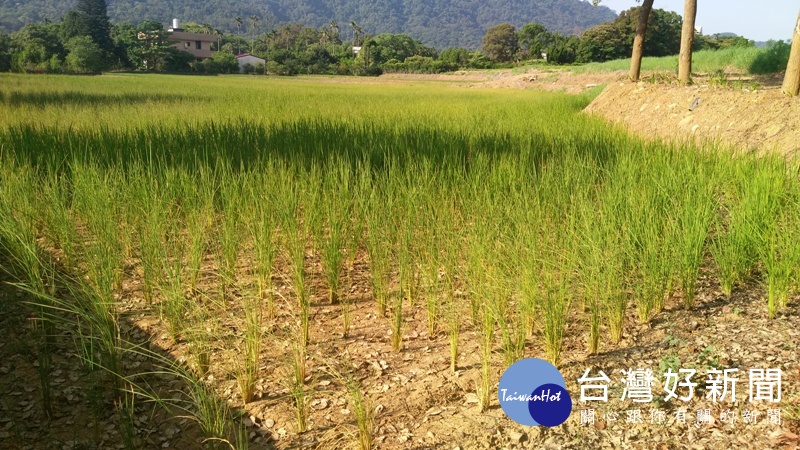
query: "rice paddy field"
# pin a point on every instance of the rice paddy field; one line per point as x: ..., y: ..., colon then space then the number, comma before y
x: 240, y: 262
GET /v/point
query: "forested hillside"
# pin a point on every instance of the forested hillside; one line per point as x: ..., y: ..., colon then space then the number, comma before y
x: 441, y: 23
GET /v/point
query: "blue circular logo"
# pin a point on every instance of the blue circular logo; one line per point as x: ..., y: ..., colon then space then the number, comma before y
x: 533, y: 392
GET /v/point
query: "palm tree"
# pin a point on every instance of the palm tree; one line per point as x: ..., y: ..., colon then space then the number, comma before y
x: 239, y: 22
x: 267, y: 40
x: 334, y: 34
x: 324, y: 36
x: 219, y: 34
x: 254, y: 23
x: 357, y: 31
x: 207, y: 29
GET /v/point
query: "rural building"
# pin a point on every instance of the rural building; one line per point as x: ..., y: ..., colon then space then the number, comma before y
x: 246, y: 58
x: 198, y: 44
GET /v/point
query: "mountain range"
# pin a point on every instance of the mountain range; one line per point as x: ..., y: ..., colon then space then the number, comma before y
x: 440, y: 23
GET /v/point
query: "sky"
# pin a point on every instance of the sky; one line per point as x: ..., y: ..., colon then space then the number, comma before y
x: 759, y: 20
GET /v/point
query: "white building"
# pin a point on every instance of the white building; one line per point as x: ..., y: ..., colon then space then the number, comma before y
x: 246, y: 58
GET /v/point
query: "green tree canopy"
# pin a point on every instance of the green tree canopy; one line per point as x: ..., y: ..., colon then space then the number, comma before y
x: 398, y: 47
x: 37, y: 47
x: 95, y: 16
x: 603, y: 43
x: 614, y: 40
x: 150, y: 45
x: 5, y: 53
x: 457, y: 56
x: 533, y: 39
x: 85, y: 56
x: 563, y: 49
x: 74, y: 24
x: 500, y: 42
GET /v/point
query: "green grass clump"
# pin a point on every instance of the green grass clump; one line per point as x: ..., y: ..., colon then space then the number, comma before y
x: 753, y: 60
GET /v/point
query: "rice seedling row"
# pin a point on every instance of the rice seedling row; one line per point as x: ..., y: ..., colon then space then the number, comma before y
x: 237, y: 233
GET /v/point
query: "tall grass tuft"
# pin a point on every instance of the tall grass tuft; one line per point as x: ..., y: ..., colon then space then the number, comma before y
x: 200, y: 334
x: 229, y: 231
x: 695, y: 206
x: 253, y: 335
x: 295, y: 384
x: 753, y: 198
x: 294, y: 242
x: 262, y: 231
x: 95, y: 195
x: 335, y: 203
x: 379, y: 249
x: 450, y: 254
x: 174, y: 306
x: 199, y: 216
x: 781, y: 258
x: 150, y: 225
x: 359, y: 402
x: 396, y: 321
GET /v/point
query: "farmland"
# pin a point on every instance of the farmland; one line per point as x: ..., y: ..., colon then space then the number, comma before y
x: 280, y: 260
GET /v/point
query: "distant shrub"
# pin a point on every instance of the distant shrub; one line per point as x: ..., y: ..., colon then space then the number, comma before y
x: 418, y: 64
x: 773, y: 59
x: 479, y: 60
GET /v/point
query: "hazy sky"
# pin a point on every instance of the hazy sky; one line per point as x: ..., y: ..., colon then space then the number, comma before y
x: 757, y: 20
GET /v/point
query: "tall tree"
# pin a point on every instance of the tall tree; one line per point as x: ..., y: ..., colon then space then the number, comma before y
x: 238, y: 21
x: 334, y: 35
x: 84, y: 55
x: 791, y: 81
x: 638, y: 41
x: 5, y: 53
x: 95, y: 16
x: 73, y: 25
x: 254, y: 23
x: 37, y: 47
x: 533, y: 39
x: 500, y: 42
x: 152, y: 46
x: 687, y: 38
x: 357, y: 31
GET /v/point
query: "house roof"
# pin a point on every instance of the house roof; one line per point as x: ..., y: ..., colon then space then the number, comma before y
x: 245, y: 55
x: 183, y: 35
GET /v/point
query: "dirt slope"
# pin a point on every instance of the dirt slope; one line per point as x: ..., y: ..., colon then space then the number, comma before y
x: 761, y: 119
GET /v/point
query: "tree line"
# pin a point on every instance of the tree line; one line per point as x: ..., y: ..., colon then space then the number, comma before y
x: 791, y: 81
x: 86, y: 42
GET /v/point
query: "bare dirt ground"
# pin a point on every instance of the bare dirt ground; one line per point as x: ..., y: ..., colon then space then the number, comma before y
x: 763, y: 119
x: 419, y: 402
